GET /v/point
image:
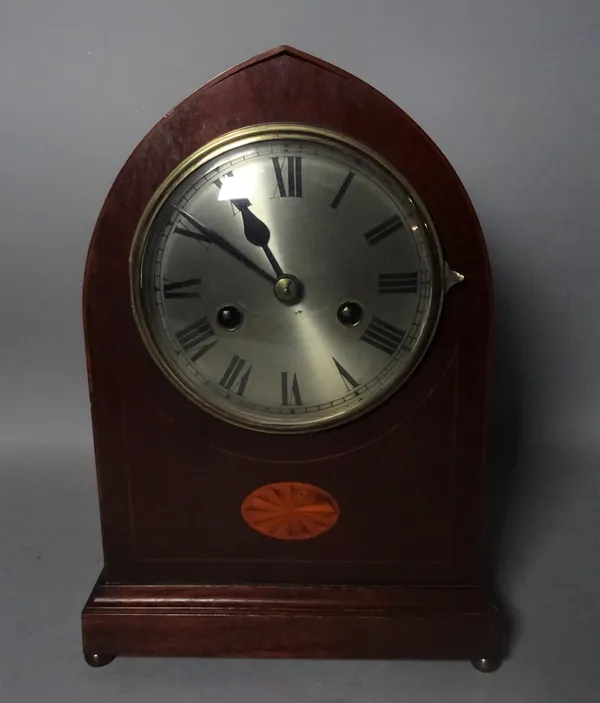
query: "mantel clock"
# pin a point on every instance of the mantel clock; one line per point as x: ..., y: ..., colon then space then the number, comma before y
x: 287, y: 308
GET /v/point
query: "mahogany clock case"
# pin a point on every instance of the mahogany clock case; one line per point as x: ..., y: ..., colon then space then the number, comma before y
x: 400, y: 573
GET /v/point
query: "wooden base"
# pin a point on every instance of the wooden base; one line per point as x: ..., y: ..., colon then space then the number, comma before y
x: 361, y: 622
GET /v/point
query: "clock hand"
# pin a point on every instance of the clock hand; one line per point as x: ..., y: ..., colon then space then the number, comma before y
x: 257, y: 232
x: 222, y: 243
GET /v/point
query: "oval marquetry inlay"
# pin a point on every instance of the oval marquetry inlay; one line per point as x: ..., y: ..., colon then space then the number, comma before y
x: 290, y: 510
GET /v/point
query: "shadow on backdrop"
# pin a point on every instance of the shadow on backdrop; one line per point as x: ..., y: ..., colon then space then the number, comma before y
x: 505, y: 439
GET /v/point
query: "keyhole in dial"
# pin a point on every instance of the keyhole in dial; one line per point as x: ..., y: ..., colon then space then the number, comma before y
x: 350, y: 313
x: 230, y: 317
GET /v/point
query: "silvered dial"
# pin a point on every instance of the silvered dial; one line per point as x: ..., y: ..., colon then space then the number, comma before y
x: 286, y: 280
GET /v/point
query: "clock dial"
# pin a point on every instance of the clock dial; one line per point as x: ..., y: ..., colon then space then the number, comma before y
x: 286, y: 280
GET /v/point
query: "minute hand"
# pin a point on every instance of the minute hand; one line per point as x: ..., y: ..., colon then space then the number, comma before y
x: 222, y: 243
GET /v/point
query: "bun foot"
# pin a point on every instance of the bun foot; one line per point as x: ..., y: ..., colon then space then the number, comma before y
x: 486, y: 665
x: 98, y: 660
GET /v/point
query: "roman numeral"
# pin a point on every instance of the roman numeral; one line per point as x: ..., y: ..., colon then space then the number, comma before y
x: 195, y: 338
x: 383, y: 336
x: 233, y: 378
x: 219, y: 183
x: 349, y: 381
x: 383, y: 230
x: 342, y: 191
x: 398, y: 282
x: 290, y: 393
x: 177, y: 289
x: 198, y: 236
x: 293, y: 188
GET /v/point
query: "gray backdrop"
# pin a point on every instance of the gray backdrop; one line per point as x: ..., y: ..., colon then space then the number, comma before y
x: 509, y: 91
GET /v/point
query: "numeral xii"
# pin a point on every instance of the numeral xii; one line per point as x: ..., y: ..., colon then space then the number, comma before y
x: 289, y: 185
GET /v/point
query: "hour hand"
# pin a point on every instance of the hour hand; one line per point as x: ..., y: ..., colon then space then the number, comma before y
x: 257, y: 232
x: 215, y: 238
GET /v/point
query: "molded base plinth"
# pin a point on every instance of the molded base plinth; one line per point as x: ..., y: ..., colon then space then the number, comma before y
x: 363, y: 622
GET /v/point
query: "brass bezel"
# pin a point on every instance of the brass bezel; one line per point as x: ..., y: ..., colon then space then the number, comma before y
x: 243, y: 137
